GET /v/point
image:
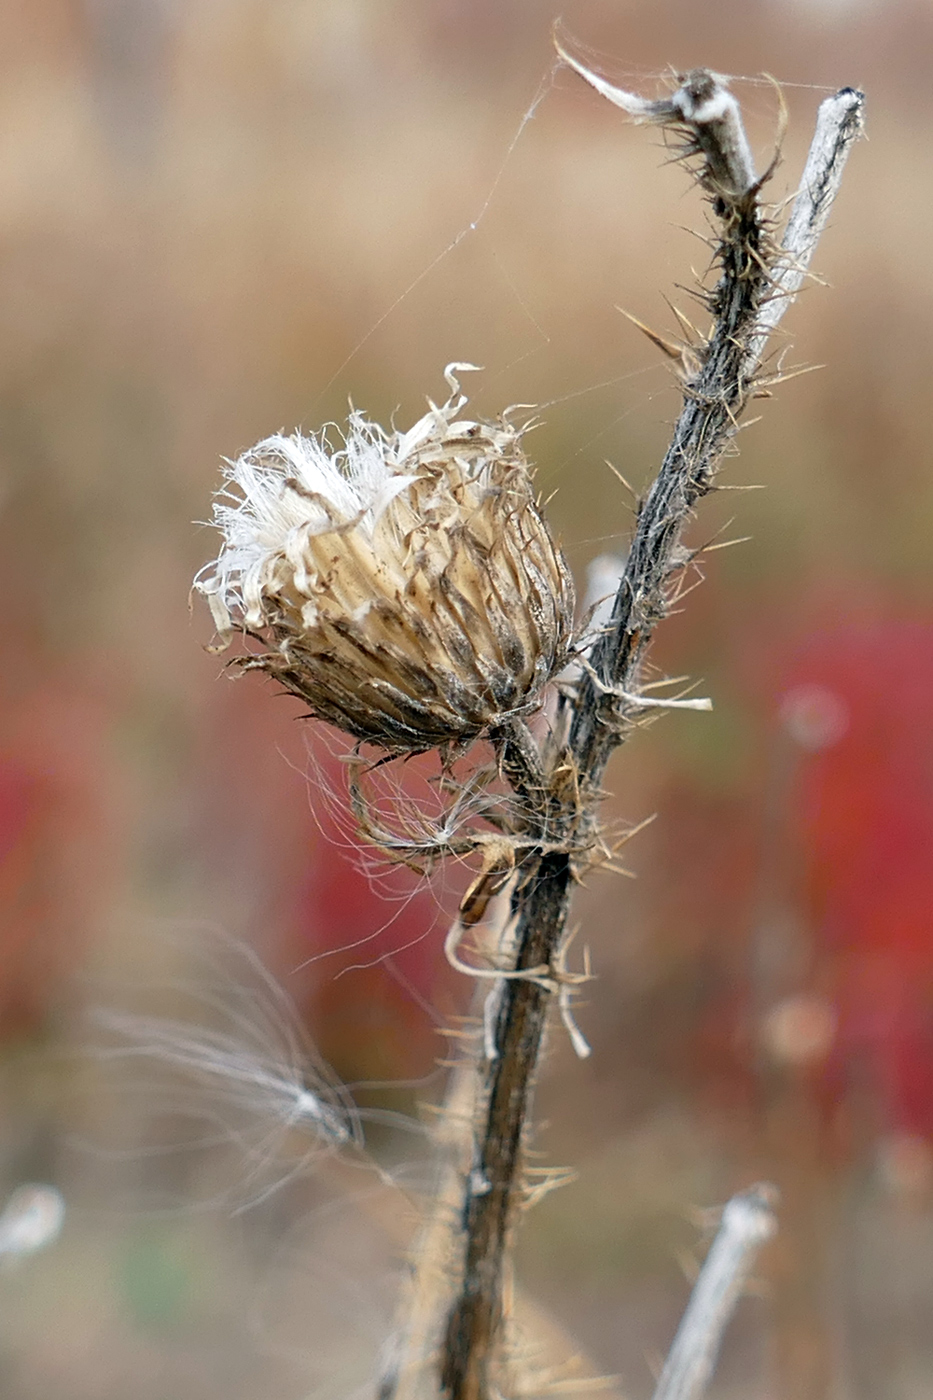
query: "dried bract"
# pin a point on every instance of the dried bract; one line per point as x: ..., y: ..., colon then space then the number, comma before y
x: 406, y: 585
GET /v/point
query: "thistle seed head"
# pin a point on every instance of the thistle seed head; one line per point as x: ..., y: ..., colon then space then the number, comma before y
x: 405, y: 585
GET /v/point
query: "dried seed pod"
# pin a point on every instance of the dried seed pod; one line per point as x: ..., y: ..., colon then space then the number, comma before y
x: 406, y: 586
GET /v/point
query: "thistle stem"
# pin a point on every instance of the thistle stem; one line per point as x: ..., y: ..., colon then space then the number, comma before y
x: 756, y: 285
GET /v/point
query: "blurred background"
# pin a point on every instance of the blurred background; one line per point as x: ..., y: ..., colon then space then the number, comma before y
x: 220, y: 218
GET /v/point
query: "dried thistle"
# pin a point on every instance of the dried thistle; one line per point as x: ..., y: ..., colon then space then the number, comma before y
x: 406, y: 586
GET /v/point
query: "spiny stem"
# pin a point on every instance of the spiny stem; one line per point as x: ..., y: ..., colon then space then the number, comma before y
x: 745, y: 310
x: 473, y: 1326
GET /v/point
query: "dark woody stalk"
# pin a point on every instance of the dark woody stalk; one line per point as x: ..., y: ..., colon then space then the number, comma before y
x: 561, y: 786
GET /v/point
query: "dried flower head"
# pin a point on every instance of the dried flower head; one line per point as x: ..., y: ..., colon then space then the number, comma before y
x: 406, y: 586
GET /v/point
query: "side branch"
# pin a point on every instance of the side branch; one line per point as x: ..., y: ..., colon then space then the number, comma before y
x: 838, y: 125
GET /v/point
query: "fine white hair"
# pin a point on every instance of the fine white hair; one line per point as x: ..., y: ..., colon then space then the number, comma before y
x: 240, y: 1065
x: 285, y: 489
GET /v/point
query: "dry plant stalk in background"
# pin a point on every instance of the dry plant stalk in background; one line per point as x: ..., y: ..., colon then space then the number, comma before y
x: 406, y: 586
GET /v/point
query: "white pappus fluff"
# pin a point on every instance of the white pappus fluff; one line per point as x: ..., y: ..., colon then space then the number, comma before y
x: 283, y: 491
x: 290, y: 488
x: 241, y: 1067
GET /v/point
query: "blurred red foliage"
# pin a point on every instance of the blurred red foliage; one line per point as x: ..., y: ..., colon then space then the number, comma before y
x: 59, y: 848
x: 864, y: 807
x: 826, y: 982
